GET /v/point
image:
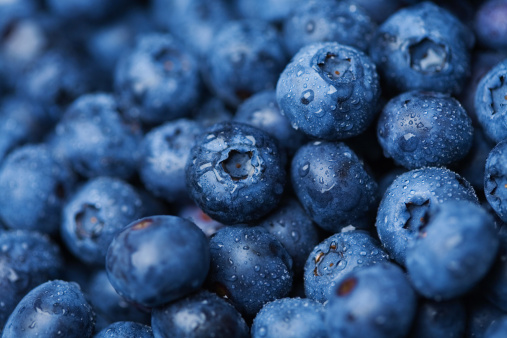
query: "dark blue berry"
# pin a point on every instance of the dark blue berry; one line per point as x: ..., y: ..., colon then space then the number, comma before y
x: 336, y: 256
x: 329, y: 91
x: 420, y: 129
x: 55, y: 308
x: 165, y: 151
x: 404, y: 209
x: 95, y: 214
x: 423, y: 47
x: 158, y: 259
x: 332, y: 185
x: 249, y: 267
x: 158, y: 80
x: 201, y: 315
x: 125, y: 329
x: 375, y: 301
x: 34, y: 188
x: 290, y: 317
x: 234, y: 173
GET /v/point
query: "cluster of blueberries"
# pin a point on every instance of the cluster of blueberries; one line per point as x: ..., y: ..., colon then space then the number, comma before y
x: 253, y: 168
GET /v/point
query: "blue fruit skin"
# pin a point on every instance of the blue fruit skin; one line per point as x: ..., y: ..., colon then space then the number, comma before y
x: 158, y: 80
x: 482, y: 63
x: 380, y: 10
x: 109, y: 305
x: 234, y: 173
x: 423, y: 47
x: 54, y: 80
x: 376, y: 301
x: 55, y: 308
x: 439, y: 319
x: 408, y: 201
x: 490, y: 102
x: 110, y: 41
x: 420, y: 129
x: 329, y: 91
x: 125, y: 329
x: 194, y: 22
x: 21, y: 121
x: 262, y: 111
x: 34, y: 187
x: 201, y: 315
x: 336, y: 256
x: 27, y: 259
x: 332, y: 184
x: 290, y: 317
x: 95, y: 213
x: 270, y: 10
x: 489, y: 24
x: 294, y: 229
x: 250, y: 267
x: 495, y: 179
x: 480, y: 316
x: 246, y: 57
x: 495, y: 283
x: 82, y: 10
x: 212, y: 111
x: 497, y: 329
x: 330, y: 20
x: 453, y: 251
x: 95, y: 140
x: 158, y: 259
x: 165, y: 151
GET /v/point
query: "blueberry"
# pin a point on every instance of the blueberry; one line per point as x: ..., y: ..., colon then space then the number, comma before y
x: 375, y: 301
x: 165, y: 151
x: 497, y: 329
x: 21, y: 121
x: 110, y: 41
x: 332, y: 185
x: 491, y: 102
x: 294, y: 229
x: 330, y: 20
x: 125, y: 329
x: 195, y: 22
x: 234, y: 173
x: 380, y: 10
x: 212, y: 111
x: 195, y: 214
x: 34, y: 187
x: 329, y: 91
x: 262, y: 111
x: 453, y: 251
x: 94, y: 138
x: 404, y: 209
x: 290, y: 317
x: 158, y: 80
x: 423, y: 47
x: 495, y: 179
x: 95, y: 213
x: 420, y: 129
x: 55, y: 80
x: 490, y: 25
x: 270, y: 10
x: 203, y: 314
x: 480, y: 316
x: 158, y: 259
x: 27, y: 259
x: 245, y: 57
x: 249, y: 267
x: 55, y: 308
x: 84, y: 9
x: 109, y: 305
x: 439, y: 319
x: 336, y: 256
